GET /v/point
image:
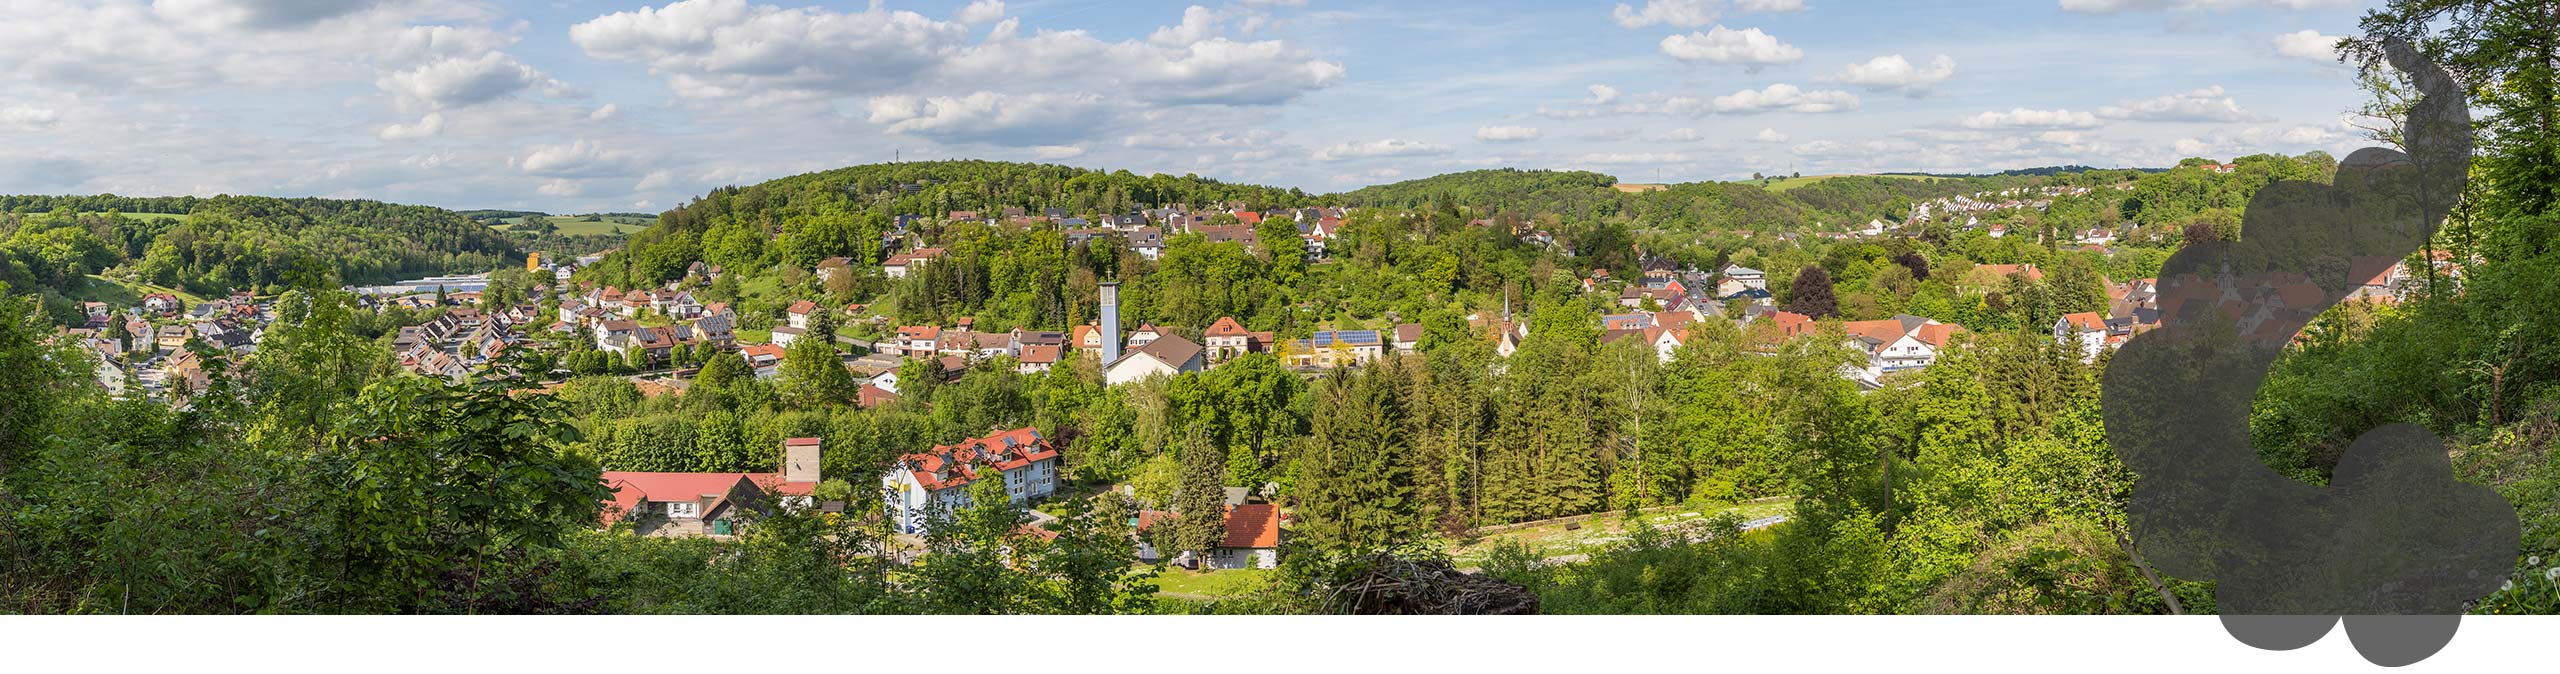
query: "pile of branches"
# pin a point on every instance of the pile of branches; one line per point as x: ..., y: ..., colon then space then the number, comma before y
x: 1386, y: 584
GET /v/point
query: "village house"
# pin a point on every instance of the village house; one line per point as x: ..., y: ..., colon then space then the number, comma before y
x: 923, y: 482
x: 920, y: 341
x: 1163, y: 356
x: 1227, y: 339
x: 2085, y: 332
x: 1334, y: 348
x: 710, y: 504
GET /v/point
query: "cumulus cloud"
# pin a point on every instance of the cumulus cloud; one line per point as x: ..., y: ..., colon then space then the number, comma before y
x: 1679, y: 135
x: 1617, y: 158
x: 730, y: 49
x: 2308, y: 44
x: 981, y: 11
x: 1057, y: 152
x: 1695, y: 13
x: 1506, y: 134
x: 1783, y: 97
x: 2022, y: 118
x: 1602, y: 94
x: 257, y: 14
x: 461, y: 82
x: 580, y: 159
x: 427, y: 126
x: 2209, y: 104
x: 1748, y: 47
x: 1894, y: 73
x: 2114, y: 6
x: 989, y: 117
x: 1388, y: 147
x: 1819, y: 148
x: 1682, y: 13
x: 28, y: 116
x: 1768, y: 135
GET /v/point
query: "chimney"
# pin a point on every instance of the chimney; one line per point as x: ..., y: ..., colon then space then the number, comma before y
x: 1110, y: 323
x: 800, y: 460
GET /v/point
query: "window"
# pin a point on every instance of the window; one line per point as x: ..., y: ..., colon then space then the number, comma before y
x: 683, y: 509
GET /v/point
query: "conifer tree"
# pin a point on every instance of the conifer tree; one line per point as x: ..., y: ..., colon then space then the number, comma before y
x: 1200, y: 504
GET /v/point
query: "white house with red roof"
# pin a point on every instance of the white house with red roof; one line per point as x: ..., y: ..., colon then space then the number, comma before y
x: 939, y: 478
x: 710, y: 504
x: 2086, y: 330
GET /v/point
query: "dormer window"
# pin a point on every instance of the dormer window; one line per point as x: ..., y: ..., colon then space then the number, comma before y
x: 683, y: 509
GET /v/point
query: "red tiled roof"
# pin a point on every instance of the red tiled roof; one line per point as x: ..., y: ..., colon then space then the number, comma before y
x: 802, y: 307
x: 1254, y: 525
x: 631, y: 489
x: 873, y: 396
x: 1226, y: 327
x: 2086, y: 321
x: 962, y: 460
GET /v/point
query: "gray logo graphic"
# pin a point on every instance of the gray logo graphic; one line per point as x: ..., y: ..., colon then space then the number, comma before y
x: 2394, y: 546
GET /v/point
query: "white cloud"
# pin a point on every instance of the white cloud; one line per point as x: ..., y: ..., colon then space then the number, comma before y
x: 1679, y: 135
x: 656, y: 179
x: 429, y: 125
x: 2022, y: 118
x: 1768, y: 6
x: 28, y: 116
x: 2114, y: 6
x: 1379, y: 148
x: 1819, y: 148
x: 1602, y: 94
x: 462, y: 82
x: 761, y: 54
x: 1384, y: 173
x: 256, y: 14
x: 1057, y: 152
x: 1614, y: 158
x: 2308, y: 44
x: 731, y: 49
x: 2209, y: 104
x: 1749, y: 47
x: 1768, y: 135
x: 1783, y: 97
x: 1894, y: 73
x: 1506, y: 134
x: 1695, y: 13
x: 604, y: 113
x: 1682, y: 13
x: 580, y: 159
x: 989, y: 117
x: 981, y: 11
x: 1198, y: 24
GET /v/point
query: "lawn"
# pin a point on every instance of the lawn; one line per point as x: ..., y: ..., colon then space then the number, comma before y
x: 1209, y: 585
x: 1552, y: 540
x: 1784, y: 184
x: 575, y: 225
x: 127, y: 293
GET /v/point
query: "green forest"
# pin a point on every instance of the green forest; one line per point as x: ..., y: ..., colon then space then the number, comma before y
x: 315, y: 476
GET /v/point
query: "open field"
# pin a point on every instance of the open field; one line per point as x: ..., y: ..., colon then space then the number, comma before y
x: 126, y: 293
x: 1784, y: 184
x: 1221, y: 584
x: 1562, y: 538
x: 577, y: 225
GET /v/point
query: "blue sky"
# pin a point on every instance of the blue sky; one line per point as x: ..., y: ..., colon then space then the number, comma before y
x: 581, y: 105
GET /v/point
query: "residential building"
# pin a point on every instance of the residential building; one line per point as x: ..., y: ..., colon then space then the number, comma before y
x: 923, y: 482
